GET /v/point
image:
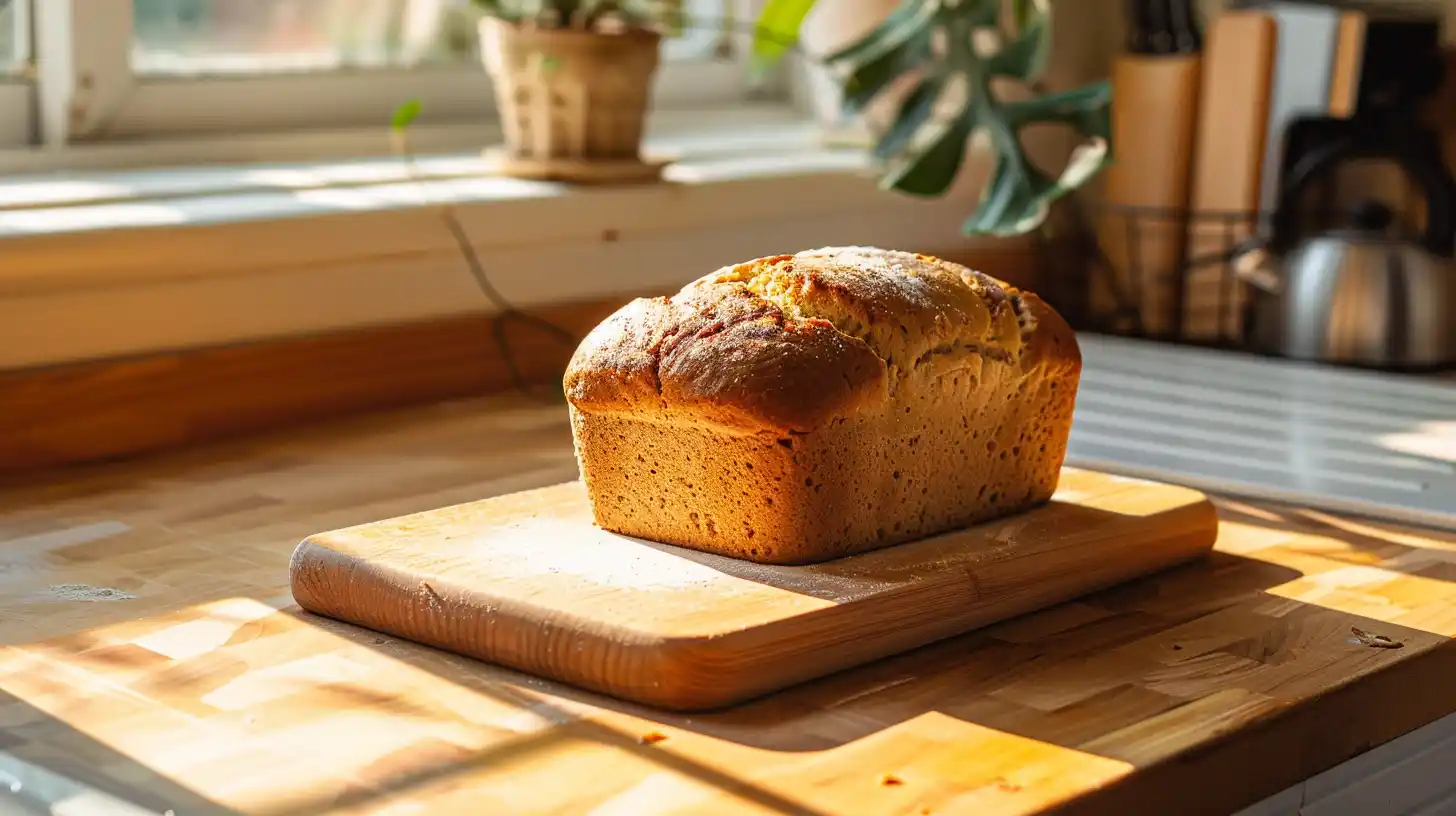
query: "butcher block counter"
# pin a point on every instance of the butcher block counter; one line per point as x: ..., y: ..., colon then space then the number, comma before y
x: 153, y: 660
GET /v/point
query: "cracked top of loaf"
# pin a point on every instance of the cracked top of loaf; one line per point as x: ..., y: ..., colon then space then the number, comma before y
x: 790, y: 342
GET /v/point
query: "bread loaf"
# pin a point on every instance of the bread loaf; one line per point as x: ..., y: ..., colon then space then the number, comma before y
x: 800, y: 408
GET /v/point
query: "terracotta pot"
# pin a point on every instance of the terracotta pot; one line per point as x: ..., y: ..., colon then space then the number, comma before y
x: 567, y: 95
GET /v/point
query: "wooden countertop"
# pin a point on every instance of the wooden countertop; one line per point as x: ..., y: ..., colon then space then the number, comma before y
x: 152, y: 655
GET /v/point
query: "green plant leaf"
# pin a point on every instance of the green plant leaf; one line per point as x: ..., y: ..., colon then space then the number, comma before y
x: 1016, y: 202
x: 1088, y: 109
x: 405, y: 115
x: 901, y: 24
x: 1012, y: 197
x: 1018, y: 197
x: 1021, y: 11
x: 931, y: 172
x: 981, y: 13
x: 490, y: 7
x: 871, y: 78
x: 915, y: 110
x: 777, y: 32
x: 1025, y: 57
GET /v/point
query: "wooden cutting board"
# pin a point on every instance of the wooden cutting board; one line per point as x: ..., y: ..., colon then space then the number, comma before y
x: 526, y: 580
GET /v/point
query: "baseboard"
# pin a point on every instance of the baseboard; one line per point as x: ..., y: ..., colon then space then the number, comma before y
x: 109, y: 409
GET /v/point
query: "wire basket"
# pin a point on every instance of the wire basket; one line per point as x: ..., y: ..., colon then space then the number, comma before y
x: 1166, y: 274
x: 1169, y: 274
x: 1174, y: 274
x: 1156, y: 273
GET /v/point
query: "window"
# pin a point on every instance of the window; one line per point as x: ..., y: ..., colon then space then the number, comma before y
x: 201, y: 37
x: 129, y: 69
x: 14, y: 36
x: 205, y: 37
x: 15, y: 89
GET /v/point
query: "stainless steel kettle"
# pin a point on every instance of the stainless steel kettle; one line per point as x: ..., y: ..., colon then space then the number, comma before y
x: 1356, y: 296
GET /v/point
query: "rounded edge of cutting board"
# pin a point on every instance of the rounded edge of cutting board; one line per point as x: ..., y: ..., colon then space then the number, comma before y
x: 702, y: 674
x: 636, y: 666
x: 330, y: 575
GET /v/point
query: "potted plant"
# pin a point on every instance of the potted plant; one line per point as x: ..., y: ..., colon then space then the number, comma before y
x: 573, y: 81
x: 954, y: 59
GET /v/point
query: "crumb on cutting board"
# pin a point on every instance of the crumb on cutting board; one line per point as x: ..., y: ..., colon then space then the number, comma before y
x: 85, y: 592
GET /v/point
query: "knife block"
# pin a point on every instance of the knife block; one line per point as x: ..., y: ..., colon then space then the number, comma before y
x: 1143, y: 228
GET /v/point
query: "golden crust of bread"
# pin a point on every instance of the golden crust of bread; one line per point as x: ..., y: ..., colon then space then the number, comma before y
x: 805, y: 407
x: 787, y: 343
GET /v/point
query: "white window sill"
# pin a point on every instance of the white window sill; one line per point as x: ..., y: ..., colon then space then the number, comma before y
x: 105, y: 264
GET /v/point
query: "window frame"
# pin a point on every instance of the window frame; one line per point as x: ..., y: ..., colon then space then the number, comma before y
x: 17, y: 105
x: 87, y: 92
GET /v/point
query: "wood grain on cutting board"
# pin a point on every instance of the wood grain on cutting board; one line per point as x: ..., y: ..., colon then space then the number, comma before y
x: 1228, y: 154
x: 528, y: 581
x: 1144, y: 230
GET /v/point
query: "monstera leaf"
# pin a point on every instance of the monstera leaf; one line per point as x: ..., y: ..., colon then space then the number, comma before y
x: 1019, y: 196
x: 1025, y: 57
x: 924, y: 147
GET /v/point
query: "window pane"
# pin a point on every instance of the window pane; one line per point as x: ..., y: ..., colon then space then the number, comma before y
x: 259, y: 36
x: 14, y: 36
x: 703, y: 30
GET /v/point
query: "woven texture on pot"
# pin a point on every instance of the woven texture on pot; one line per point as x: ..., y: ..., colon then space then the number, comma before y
x: 570, y: 94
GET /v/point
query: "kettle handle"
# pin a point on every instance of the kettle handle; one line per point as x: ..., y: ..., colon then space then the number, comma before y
x: 1416, y: 156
